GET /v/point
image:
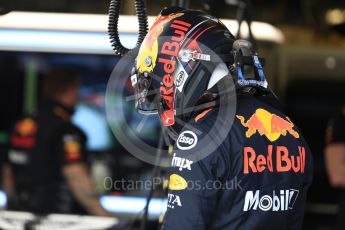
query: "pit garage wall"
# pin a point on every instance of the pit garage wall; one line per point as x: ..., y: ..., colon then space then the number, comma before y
x: 309, y: 62
x: 311, y: 85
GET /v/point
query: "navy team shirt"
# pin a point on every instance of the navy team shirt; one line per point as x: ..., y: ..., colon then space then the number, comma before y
x: 40, y: 146
x: 255, y: 178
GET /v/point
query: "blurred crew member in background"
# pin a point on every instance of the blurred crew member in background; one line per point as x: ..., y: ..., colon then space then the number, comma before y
x: 335, y: 160
x: 47, y: 170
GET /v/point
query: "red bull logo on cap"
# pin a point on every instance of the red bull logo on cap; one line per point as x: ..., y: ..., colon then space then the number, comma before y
x: 268, y: 124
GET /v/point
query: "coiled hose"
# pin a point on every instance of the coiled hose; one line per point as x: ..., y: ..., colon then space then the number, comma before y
x: 114, y: 14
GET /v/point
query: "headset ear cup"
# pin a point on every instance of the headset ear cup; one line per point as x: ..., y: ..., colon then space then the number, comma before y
x: 245, y: 58
x: 244, y: 47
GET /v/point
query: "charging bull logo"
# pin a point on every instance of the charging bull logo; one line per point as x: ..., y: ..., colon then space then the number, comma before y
x: 148, y: 52
x: 268, y: 124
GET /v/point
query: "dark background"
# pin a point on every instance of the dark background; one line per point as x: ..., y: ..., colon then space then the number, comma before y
x: 310, y: 90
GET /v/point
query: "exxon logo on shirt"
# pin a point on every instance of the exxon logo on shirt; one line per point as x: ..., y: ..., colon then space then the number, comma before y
x: 187, y: 140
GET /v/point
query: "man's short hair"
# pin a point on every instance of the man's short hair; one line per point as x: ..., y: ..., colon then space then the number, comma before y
x: 58, y: 80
